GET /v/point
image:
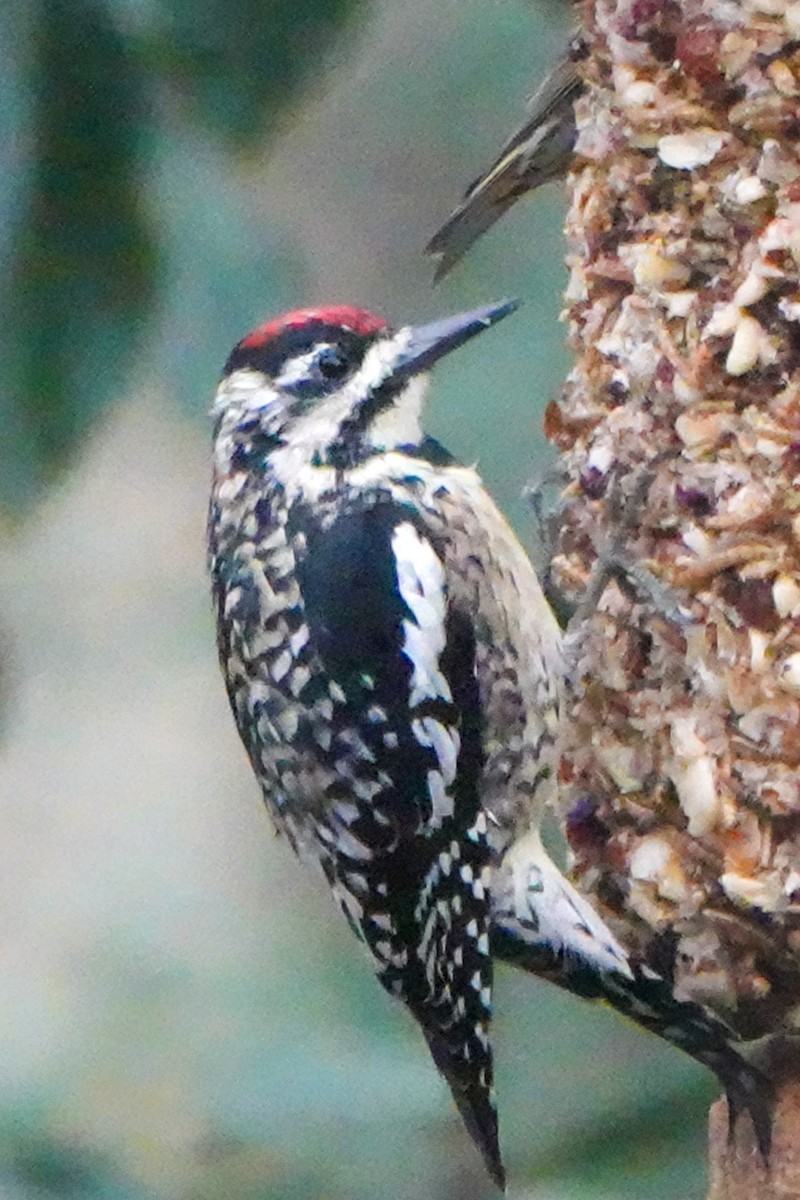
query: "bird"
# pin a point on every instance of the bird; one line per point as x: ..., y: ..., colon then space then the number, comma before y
x: 395, y: 674
x: 539, y: 151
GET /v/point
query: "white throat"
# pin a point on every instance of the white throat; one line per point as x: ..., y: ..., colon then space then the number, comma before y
x: 400, y: 424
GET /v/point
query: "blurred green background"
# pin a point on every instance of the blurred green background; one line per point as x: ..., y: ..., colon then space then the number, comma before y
x: 183, y: 1015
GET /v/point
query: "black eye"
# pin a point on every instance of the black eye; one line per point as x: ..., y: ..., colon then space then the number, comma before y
x: 331, y: 363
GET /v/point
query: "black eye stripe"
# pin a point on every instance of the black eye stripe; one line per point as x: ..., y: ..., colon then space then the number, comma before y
x: 296, y: 341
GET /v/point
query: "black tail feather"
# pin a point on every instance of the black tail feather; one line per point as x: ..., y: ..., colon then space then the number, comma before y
x: 747, y: 1089
x: 475, y: 1102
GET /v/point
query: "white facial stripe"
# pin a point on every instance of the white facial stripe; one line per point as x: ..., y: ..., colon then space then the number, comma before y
x: 296, y: 370
x: 399, y: 423
x: 379, y: 361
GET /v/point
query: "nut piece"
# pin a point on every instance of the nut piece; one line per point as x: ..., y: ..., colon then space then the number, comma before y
x: 685, y: 151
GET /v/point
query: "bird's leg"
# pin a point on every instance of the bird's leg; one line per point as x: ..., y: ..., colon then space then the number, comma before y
x: 614, y: 560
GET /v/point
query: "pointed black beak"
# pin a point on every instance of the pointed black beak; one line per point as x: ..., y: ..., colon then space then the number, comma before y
x: 422, y: 345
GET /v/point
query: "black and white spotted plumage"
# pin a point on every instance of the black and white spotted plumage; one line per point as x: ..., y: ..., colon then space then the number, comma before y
x: 402, y: 836
x: 394, y: 671
x: 369, y: 598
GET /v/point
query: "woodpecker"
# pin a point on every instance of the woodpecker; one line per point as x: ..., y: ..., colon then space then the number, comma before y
x: 538, y: 152
x: 395, y: 671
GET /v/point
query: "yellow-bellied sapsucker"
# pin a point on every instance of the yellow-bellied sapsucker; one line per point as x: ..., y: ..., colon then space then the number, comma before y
x: 539, y: 151
x: 394, y: 671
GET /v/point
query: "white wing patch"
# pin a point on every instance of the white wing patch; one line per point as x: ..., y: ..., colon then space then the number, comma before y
x: 422, y: 585
x: 421, y: 580
x: 532, y: 890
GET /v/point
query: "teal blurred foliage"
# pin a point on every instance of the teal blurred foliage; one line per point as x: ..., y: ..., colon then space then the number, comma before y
x: 82, y: 270
x: 33, y: 1165
x: 239, y: 64
x: 83, y: 257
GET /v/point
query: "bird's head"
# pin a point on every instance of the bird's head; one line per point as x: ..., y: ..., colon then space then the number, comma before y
x: 334, y: 384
